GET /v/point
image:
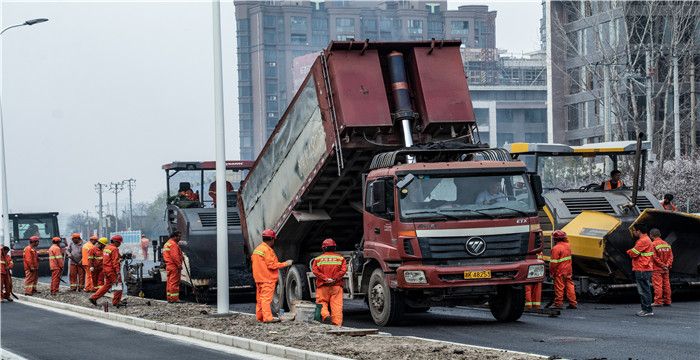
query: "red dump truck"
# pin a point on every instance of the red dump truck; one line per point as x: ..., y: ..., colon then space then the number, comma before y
x: 379, y: 150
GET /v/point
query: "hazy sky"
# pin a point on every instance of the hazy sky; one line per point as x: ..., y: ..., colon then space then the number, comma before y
x: 111, y: 90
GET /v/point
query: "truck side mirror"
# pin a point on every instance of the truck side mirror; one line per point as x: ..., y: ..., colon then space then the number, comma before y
x: 536, y: 183
x: 378, y: 205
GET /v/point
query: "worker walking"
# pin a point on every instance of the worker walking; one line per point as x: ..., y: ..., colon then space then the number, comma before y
x: 85, y: 262
x: 6, y: 266
x: 265, y: 274
x: 641, y: 255
x: 329, y: 269
x: 111, y: 265
x: 661, y: 261
x: 95, y: 263
x: 561, y: 271
x: 30, y: 258
x: 172, y: 255
x: 75, y: 269
x: 533, y: 293
x: 145, y: 244
x: 56, y: 264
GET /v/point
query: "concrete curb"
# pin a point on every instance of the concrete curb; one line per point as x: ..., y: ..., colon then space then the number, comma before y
x: 204, y: 335
x: 513, y: 352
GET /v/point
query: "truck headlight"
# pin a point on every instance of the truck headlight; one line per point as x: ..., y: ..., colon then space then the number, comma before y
x: 535, y: 271
x: 415, y: 277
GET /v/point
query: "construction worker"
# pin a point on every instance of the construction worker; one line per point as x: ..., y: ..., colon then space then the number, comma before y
x: 31, y: 266
x: 56, y: 264
x: 265, y: 273
x: 212, y: 191
x: 6, y: 274
x: 75, y: 269
x: 642, y: 264
x: 667, y: 203
x: 329, y: 268
x: 533, y: 293
x: 95, y: 263
x: 145, y: 244
x: 111, y: 265
x: 614, y: 182
x: 661, y: 261
x: 172, y: 256
x: 561, y: 271
x: 85, y: 262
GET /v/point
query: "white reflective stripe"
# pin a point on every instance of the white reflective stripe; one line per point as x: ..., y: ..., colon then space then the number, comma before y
x: 474, y: 231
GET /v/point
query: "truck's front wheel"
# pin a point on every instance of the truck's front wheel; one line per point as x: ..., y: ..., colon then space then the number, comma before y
x: 508, y: 304
x: 297, y: 284
x: 385, y: 305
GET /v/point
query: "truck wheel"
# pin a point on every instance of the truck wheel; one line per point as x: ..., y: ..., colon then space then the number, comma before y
x: 385, y: 305
x: 508, y: 304
x: 278, y: 299
x: 296, y: 286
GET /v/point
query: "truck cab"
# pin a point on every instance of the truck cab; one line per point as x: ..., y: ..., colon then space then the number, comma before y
x: 25, y: 225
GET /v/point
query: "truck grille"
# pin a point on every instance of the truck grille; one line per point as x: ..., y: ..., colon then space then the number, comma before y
x: 209, y: 219
x: 644, y: 203
x: 454, y: 248
x: 578, y: 205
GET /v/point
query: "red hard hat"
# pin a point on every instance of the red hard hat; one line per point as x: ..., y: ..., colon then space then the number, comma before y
x: 117, y: 238
x: 269, y: 233
x: 558, y: 234
x: 93, y: 237
x: 56, y: 239
x: 75, y: 236
x: 328, y: 243
x: 34, y: 238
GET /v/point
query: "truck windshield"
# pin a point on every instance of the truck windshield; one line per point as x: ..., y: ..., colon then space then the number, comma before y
x: 45, y: 227
x: 578, y: 172
x: 466, y: 197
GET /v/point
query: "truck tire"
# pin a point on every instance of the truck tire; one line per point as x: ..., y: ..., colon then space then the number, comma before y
x: 385, y: 305
x: 278, y: 299
x: 508, y: 304
x: 296, y: 285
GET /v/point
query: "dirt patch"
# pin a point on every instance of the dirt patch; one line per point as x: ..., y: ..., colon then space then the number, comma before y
x: 308, y: 336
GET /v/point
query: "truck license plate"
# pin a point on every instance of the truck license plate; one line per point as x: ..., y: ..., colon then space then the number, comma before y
x: 481, y: 274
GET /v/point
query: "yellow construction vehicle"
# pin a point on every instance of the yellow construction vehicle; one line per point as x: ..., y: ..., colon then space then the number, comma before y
x: 597, y: 221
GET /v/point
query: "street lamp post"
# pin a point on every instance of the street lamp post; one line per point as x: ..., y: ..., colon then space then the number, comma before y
x: 3, y: 170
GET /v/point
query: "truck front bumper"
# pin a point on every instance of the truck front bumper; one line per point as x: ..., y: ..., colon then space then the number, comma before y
x: 453, y: 276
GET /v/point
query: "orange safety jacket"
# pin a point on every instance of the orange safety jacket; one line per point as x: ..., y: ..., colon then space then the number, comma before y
x: 663, y: 254
x: 608, y: 185
x: 329, y: 265
x: 560, y: 261
x: 55, y: 257
x: 172, y: 255
x: 670, y: 206
x: 6, y: 264
x: 111, y: 260
x: 86, y: 253
x: 642, y: 254
x: 265, y: 264
x: 31, y: 259
x: 95, y: 257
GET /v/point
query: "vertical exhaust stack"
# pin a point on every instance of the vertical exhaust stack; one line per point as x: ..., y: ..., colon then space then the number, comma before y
x: 403, y: 110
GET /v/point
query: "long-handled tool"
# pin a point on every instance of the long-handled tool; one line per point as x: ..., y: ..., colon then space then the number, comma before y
x: 194, y: 288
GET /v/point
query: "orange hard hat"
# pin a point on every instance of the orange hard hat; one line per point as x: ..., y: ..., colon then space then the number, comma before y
x: 558, y: 235
x: 93, y: 237
x: 269, y: 234
x: 56, y: 239
x: 75, y: 236
x: 328, y: 243
x: 117, y: 238
x: 34, y: 238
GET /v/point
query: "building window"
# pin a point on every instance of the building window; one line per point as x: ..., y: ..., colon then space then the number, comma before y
x: 269, y: 21
x: 319, y: 40
x: 459, y: 28
x: 270, y: 87
x: 435, y: 27
x: 415, y: 27
x: 271, y: 71
x: 242, y: 25
x: 245, y: 108
x: 504, y: 116
x: 482, y: 116
x: 244, y: 91
x: 243, y: 75
x: 504, y: 138
x: 574, y: 116
x: 298, y: 39
x: 298, y: 25
x: 345, y: 25
x: 369, y: 24
x: 535, y: 116
x: 432, y: 8
x: 386, y: 25
x: 243, y: 40
x: 319, y: 24
x: 269, y: 37
x: 345, y: 37
x: 537, y: 137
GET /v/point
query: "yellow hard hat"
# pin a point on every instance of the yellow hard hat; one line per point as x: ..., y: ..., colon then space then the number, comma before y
x: 103, y: 241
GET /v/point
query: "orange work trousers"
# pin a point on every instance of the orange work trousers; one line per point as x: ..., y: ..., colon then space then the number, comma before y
x: 97, y: 278
x: 533, y: 296
x: 264, y: 292
x: 55, y: 280
x: 172, y: 285
x: 662, y: 287
x: 564, y: 283
x: 89, y: 286
x: 331, y: 296
x: 6, y: 285
x: 110, y: 279
x: 77, y: 277
x: 31, y: 278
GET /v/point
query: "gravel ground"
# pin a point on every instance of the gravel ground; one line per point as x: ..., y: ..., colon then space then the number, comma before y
x: 309, y: 336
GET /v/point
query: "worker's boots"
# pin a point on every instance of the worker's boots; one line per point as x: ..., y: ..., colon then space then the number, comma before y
x: 93, y: 301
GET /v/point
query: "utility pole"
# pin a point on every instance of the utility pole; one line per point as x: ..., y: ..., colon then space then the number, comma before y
x: 693, y: 109
x: 130, y: 185
x: 676, y: 111
x: 606, y: 103
x: 116, y: 188
x: 650, y: 121
x: 87, y: 223
x: 100, y: 188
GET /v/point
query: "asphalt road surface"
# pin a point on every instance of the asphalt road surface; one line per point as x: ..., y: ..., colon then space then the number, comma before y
x: 41, y: 334
x: 594, y: 331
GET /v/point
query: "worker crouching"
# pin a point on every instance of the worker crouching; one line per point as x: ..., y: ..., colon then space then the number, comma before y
x: 561, y: 271
x: 329, y: 269
x: 265, y: 274
x: 6, y: 274
x: 56, y: 264
x: 111, y: 264
x: 172, y: 255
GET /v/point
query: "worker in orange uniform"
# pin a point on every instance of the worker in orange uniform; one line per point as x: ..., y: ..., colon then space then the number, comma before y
x: 533, y: 293
x: 642, y: 266
x: 614, y: 182
x: 111, y: 265
x: 172, y: 255
x: 661, y: 261
x: 145, y: 244
x: 265, y: 266
x: 561, y: 271
x: 329, y: 269
x: 95, y: 263
x: 85, y: 262
x: 667, y: 203
x: 212, y: 191
x: 6, y: 266
x: 31, y: 266
x: 74, y: 251
x: 56, y: 264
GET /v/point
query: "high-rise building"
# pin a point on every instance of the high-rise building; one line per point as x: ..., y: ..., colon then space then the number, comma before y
x: 271, y: 34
